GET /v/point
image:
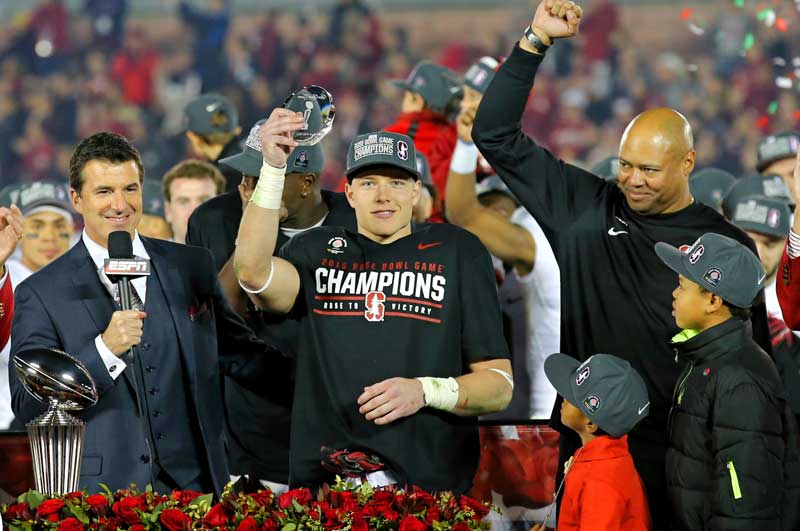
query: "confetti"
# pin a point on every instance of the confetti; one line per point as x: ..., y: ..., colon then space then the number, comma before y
x: 797, y: 115
x: 686, y: 13
x: 697, y: 30
x: 779, y: 61
x: 773, y: 107
x: 782, y: 25
x: 738, y: 3
x: 749, y: 41
x: 796, y: 62
x: 783, y: 82
x: 767, y: 16
x: 762, y: 122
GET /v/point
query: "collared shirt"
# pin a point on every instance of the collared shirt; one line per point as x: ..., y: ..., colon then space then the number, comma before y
x: 99, y: 254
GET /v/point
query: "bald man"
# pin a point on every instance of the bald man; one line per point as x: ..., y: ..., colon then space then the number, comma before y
x: 616, y: 293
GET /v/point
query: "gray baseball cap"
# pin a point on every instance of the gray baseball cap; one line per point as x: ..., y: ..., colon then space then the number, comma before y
x: 765, y: 185
x: 777, y: 147
x: 764, y: 215
x: 153, y: 197
x: 437, y: 85
x: 719, y: 264
x: 607, y: 169
x: 382, y: 148
x: 304, y: 159
x: 710, y: 186
x: 210, y: 113
x: 494, y: 184
x: 42, y: 195
x: 481, y: 73
x: 604, y: 387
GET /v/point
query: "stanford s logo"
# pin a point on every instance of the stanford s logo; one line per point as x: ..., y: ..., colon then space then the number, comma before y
x: 374, y: 306
x: 695, y: 255
x: 583, y: 375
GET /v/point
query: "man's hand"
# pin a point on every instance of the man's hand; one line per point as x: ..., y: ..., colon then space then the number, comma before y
x: 124, y: 331
x: 276, y: 136
x: 391, y: 399
x: 557, y: 19
x: 464, y: 123
x: 11, y: 221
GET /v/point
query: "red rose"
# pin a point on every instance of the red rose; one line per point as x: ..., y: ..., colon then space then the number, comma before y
x: 411, y: 523
x: 77, y: 495
x: 359, y: 523
x: 49, y: 508
x: 303, y: 497
x: 98, y: 503
x: 216, y: 517
x: 434, y: 514
x: 248, y: 524
x: 107, y: 524
x: 138, y: 527
x: 269, y: 525
x: 185, y: 497
x: 70, y: 524
x: 175, y: 520
x: 18, y: 511
x: 262, y: 497
x: 480, y: 509
x: 461, y: 526
x: 125, y: 509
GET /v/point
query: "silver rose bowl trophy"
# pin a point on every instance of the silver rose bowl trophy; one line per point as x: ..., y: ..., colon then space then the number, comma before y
x: 63, y: 383
x: 318, y: 110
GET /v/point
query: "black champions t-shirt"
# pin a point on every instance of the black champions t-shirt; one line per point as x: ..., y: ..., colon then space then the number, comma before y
x: 425, y: 305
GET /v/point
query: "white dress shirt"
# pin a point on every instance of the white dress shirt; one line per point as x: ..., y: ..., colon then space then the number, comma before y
x: 99, y: 254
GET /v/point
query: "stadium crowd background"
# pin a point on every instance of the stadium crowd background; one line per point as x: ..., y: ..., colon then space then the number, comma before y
x: 109, y: 65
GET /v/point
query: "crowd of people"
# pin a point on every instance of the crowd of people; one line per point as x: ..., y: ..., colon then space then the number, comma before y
x: 382, y: 326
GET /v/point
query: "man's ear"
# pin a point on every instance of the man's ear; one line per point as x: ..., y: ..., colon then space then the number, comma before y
x: 591, y: 427
x: 714, y: 304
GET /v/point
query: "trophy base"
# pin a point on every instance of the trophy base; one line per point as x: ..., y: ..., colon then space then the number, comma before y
x: 56, y: 440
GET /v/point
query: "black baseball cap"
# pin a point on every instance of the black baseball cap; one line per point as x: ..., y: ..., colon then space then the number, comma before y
x: 494, y: 184
x: 604, y: 387
x: 719, y: 264
x: 210, y: 113
x: 424, y: 169
x: 764, y: 215
x: 607, y: 169
x: 481, y: 73
x: 437, y: 85
x: 764, y: 185
x: 153, y: 197
x: 777, y: 147
x: 38, y: 196
x: 382, y: 148
x: 710, y: 186
x: 304, y: 159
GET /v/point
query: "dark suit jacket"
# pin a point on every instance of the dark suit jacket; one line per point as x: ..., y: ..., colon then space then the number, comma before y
x: 66, y: 306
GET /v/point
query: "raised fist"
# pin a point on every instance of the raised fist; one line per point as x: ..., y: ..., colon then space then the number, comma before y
x: 557, y: 18
x: 276, y: 136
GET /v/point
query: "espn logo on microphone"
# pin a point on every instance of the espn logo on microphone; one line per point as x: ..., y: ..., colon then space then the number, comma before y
x: 127, y: 267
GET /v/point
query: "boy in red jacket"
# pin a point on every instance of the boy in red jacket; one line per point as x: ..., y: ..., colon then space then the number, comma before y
x: 604, y: 398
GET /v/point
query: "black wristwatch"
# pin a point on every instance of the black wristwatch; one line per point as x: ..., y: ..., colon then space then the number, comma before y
x: 535, y: 41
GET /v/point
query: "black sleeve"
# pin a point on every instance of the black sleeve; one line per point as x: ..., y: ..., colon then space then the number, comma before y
x: 194, y: 233
x: 553, y: 191
x: 481, y: 321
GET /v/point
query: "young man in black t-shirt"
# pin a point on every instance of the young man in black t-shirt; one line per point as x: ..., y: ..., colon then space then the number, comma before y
x: 400, y: 343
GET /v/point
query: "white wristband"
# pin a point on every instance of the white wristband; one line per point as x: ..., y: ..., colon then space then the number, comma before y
x: 269, y: 188
x: 266, y: 284
x: 465, y: 158
x: 440, y: 393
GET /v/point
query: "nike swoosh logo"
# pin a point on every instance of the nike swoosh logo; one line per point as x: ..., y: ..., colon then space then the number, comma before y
x: 614, y: 232
x: 423, y: 246
x: 761, y: 279
x: 641, y: 409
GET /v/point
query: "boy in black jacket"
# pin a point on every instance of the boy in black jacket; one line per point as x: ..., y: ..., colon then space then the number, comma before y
x: 732, y: 459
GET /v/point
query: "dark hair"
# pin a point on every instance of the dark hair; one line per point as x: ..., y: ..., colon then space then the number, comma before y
x: 101, y: 146
x: 737, y: 312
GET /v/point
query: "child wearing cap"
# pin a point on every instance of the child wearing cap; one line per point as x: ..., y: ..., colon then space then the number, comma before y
x: 732, y: 458
x: 604, y: 398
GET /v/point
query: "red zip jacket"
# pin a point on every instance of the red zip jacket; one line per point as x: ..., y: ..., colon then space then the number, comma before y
x: 434, y: 137
x: 6, y: 310
x: 789, y: 286
x: 603, y: 491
